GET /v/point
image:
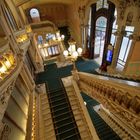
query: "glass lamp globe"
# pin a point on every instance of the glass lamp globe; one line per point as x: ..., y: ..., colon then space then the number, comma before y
x: 79, y: 50
x: 65, y: 53
x: 62, y: 36
x: 75, y: 54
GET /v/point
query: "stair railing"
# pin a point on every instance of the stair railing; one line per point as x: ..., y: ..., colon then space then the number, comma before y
x: 122, y: 100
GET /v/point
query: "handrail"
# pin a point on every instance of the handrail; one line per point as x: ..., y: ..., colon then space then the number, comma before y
x: 122, y: 100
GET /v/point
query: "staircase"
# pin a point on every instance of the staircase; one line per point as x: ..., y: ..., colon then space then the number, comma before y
x: 119, y: 128
x: 78, y: 114
x: 63, y: 119
x: 104, y: 131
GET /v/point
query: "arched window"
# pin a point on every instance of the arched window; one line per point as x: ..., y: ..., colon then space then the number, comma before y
x: 34, y: 13
x: 101, y: 23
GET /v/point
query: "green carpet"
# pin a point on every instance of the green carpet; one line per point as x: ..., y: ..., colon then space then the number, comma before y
x: 52, y: 72
x: 63, y: 119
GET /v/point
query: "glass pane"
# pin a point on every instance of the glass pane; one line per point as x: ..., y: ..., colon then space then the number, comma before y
x: 105, y: 4
x: 53, y: 50
x: 113, y: 39
x: 40, y: 39
x: 56, y: 50
x: 100, y: 36
x: 34, y: 13
x: 97, y: 45
x: 128, y: 49
x: 49, y: 51
x: 123, y: 48
x: 115, y: 21
x: 101, y: 22
x: 99, y: 4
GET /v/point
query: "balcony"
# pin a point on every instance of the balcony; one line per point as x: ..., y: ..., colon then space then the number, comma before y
x: 22, y: 39
x: 46, y: 26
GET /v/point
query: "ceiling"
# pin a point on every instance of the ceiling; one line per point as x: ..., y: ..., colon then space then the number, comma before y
x: 31, y: 3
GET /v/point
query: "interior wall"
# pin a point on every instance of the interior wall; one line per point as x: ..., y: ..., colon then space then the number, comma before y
x: 17, y: 111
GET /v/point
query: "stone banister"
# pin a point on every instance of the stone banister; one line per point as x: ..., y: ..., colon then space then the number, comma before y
x: 121, y: 99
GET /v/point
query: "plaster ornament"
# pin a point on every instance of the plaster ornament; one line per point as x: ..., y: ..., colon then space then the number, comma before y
x: 129, y: 19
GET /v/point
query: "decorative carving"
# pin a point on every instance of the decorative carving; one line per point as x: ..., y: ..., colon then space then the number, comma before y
x: 81, y: 12
x: 129, y: 18
x: 120, y: 102
x: 127, y: 3
x: 134, y: 37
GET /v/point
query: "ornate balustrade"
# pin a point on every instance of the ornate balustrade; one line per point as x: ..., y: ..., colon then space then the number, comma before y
x: 7, y: 82
x: 122, y: 100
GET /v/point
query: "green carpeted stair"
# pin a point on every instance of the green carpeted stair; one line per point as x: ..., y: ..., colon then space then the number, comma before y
x: 63, y: 119
x: 64, y: 122
x: 104, y: 131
